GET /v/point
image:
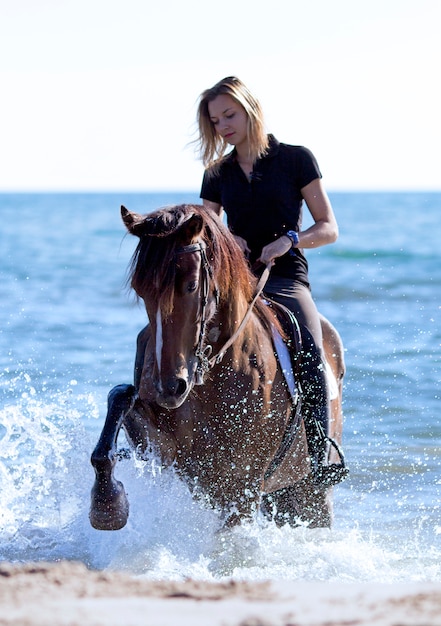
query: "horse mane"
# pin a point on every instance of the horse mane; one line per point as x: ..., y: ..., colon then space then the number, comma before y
x: 161, y: 233
x: 152, y: 267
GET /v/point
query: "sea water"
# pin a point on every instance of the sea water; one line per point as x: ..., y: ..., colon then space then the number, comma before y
x: 67, y: 336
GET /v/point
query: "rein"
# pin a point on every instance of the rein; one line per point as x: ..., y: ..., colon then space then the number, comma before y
x: 206, y: 361
x: 260, y: 285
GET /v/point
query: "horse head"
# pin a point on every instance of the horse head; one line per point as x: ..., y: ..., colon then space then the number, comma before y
x: 172, y: 274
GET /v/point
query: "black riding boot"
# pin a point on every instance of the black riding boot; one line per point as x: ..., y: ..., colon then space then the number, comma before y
x: 316, y: 416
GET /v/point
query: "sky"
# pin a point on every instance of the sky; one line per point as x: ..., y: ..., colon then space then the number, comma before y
x: 101, y: 95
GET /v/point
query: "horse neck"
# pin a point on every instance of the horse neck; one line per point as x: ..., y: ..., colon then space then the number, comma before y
x: 232, y: 313
x: 228, y: 320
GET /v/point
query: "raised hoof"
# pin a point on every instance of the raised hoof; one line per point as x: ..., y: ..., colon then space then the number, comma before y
x: 109, y: 511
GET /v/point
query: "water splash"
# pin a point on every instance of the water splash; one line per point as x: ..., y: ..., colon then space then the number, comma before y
x: 45, y: 444
x: 42, y: 460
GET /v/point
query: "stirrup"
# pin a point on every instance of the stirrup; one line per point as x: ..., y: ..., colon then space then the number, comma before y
x: 330, y: 475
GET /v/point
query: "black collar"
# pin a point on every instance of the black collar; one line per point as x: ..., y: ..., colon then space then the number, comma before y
x: 273, y: 150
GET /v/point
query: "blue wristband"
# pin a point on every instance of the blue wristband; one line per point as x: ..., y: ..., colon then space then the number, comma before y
x: 291, y: 234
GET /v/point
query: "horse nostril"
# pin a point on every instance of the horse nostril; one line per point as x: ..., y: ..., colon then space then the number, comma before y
x: 176, y: 387
x: 173, y: 394
x: 181, y: 386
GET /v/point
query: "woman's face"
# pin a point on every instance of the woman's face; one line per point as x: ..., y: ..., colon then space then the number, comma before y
x: 229, y: 119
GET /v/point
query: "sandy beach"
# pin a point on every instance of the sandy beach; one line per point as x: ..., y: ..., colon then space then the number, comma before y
x: 67, y: 593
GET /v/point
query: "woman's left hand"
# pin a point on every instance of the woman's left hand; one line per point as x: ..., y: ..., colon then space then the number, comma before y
x: 273, y: 250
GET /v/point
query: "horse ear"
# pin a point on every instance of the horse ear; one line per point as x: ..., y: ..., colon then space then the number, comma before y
x: 133, y: 221
x: 193, y: 226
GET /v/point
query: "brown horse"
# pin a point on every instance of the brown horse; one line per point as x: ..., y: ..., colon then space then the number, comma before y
x: 210, y: 396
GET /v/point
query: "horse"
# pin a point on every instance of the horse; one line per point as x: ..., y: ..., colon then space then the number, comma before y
x: 210, y: 395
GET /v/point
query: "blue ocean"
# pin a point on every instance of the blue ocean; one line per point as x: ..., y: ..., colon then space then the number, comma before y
x: 67, y: 336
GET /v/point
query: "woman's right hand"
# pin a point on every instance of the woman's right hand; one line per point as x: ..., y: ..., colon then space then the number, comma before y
x: 242, y: 245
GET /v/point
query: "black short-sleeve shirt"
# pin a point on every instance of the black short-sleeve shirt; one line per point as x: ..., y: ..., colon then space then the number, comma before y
x: 263, y: 209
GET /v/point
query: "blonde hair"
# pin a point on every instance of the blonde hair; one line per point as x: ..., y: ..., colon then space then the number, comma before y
x: 212, y: 146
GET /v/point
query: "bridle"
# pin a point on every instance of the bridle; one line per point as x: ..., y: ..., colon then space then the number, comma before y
x: 205, y: 359
x: 202, y: 353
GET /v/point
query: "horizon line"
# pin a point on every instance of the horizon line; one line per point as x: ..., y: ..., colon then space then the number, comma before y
x: 197, y: 191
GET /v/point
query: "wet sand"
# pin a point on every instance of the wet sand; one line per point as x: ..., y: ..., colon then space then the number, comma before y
x: 61, y: 594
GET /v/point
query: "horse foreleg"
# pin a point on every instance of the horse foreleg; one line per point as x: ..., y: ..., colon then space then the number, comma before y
x: 109, y: 508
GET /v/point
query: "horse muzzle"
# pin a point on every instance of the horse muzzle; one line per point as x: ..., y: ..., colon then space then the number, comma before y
x: 172, y: 393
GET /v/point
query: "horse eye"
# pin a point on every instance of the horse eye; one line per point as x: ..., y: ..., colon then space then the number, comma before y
x: 192, y: 286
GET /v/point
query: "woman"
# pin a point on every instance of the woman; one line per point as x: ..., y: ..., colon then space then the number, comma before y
x: 261, y: 185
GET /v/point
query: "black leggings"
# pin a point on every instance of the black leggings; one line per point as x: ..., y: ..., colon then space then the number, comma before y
x: 298, y: 299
